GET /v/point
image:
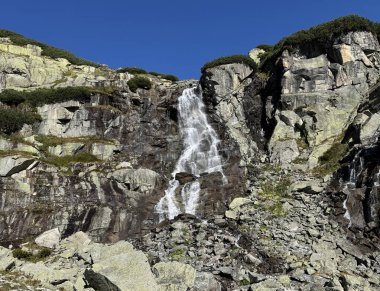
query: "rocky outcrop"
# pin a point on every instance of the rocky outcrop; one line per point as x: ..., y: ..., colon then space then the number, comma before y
x: 323, y: 95
x: 25, y: 68
x: 225, y: 92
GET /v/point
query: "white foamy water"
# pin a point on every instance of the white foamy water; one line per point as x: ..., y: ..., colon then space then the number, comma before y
x: 199, y: 155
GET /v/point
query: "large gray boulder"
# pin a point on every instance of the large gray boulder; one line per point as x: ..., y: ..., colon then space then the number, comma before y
x: 119, y: 267
x: 174, y: 276
x: 49, y: 239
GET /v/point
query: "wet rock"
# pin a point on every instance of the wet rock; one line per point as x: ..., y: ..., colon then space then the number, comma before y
x: 184, y: 178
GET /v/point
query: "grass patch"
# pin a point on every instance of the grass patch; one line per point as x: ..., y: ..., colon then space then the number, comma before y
x: 177, y: 254
x: 139, y: 82
x: 273, y: 193
x: 234, y: 59
x: 66, y: 161
x: 329, y: 161
x: 52, y: 140
x: 47, y: 50
x: 6, y: 153
x: 320, y: 36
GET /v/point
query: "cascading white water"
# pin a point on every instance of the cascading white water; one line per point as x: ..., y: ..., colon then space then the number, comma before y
x: 355, y: 170
x: 199, y: 155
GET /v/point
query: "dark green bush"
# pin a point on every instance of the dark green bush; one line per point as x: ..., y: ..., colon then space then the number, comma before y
x: 242, y: 59
x: 46, y: 49
x: 13, y: 119
x: 321, y: 35
x: 139, y: 82
x: 12, y: 97
x: 265, y: 47
x: 45, y: 96
x: 165, y: 76
x: 170, y: 77
x: 21, y: 254
x: 132, y: 70
x: 42, y: 253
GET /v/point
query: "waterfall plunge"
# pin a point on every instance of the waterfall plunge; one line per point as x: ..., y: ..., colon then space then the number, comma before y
x: 199, y: 155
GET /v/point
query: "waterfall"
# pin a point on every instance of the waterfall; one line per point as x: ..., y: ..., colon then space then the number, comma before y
x: 356, y: 168
x: 200, y: 155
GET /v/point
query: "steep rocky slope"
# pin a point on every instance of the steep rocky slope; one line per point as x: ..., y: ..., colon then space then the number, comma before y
x: 299, y: 142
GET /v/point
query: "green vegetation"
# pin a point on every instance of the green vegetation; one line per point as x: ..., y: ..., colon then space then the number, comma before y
x: 132, y: 70
x: 178, y: 254
x: 40, y: 97
x: 13, y: 119
x: 66, y: 161
x: 139, y: 82
x: 42, y: 254
x: 52, y: 140
x: 140, y: 71
x: 165, y: 76
x: 329, y: 161
x: 319, y: 36
x: 47, y: 50
x: 265, y: 47
x: 273, y: 193
x: 240, y: 59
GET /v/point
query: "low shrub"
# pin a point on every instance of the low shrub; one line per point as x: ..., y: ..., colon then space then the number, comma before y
x: 169, y: 77
x: 40, y: 97
x: 319, y: 36
x: 21, y: 254
x: 240, y: 59
x: 139, y: 82
x: 132, y: 70
x: 65, y: 161
x: 265, y: 47
x: 47, y: 50
x: 13, y: 119
x: 42, y: 254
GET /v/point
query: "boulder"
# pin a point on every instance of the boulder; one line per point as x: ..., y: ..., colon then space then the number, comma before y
x: 119, y: 267
x: 255, y: 53
x: 140, y: 180
x: 184, y: 178
x: 14, y: 164
x: 174, y: 276
x: 49, y: 239
x: 7, y: 261
x: 311, y: 187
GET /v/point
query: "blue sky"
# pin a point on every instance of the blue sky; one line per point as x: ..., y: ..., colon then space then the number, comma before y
x: 168, y: 36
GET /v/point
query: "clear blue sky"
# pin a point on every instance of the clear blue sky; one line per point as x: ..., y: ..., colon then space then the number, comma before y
x: 169, y: 36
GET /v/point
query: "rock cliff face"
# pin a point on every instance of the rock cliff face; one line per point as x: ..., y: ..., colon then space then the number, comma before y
x: 300, y: 150
x: 133, y: 136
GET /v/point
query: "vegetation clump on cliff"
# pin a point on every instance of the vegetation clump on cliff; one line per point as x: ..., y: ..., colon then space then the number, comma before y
x: 44, y: 96
x: 139, y: 82
x: 132, y: 70
x: 320, y: 35
x: 13, y: 119
x: 47, y: 50
x: 234, y: 59
x: 140, y: 71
